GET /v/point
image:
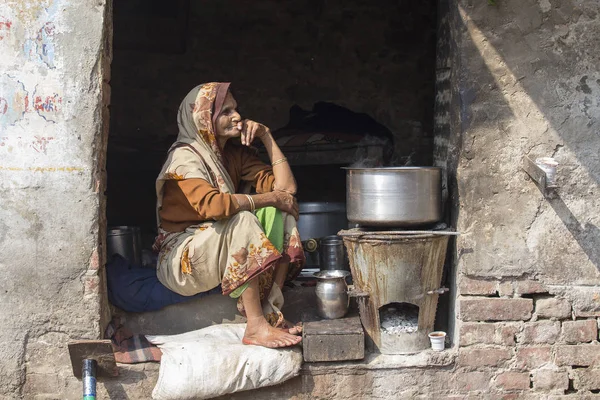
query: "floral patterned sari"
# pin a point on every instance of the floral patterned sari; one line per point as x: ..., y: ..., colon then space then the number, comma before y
x: 228, y: 252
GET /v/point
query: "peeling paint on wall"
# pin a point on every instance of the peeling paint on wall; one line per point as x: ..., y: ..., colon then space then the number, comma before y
x: 14, y: 100
x: 41, y: 48
x: 5, y: 26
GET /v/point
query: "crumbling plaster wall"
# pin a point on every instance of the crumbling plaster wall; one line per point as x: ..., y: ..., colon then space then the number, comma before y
x: 524, y: 79
x: 530, y: 85
x: 53, y: 56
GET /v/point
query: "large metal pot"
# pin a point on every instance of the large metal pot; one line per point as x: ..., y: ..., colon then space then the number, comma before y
x: 320, y: 219
x: 394, y: 196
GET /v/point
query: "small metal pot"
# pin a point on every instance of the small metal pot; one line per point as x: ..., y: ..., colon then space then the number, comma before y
x: 332, y: 294
x: 332, y: 254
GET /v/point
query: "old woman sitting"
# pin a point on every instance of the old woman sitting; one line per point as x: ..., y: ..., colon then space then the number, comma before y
x: 212, y: 231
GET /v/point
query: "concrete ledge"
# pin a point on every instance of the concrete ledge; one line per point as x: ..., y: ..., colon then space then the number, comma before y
x: 138, y: 380
x: 373, y: 361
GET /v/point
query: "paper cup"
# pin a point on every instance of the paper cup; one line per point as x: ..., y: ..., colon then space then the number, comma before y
x: 438, y: 340
x: 549, y: 165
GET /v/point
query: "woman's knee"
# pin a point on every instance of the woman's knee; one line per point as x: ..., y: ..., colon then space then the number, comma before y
x: 244, y: 217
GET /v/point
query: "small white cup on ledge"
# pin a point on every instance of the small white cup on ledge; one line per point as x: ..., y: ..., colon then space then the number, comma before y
x: 438, y: 340
x: 549, y: 165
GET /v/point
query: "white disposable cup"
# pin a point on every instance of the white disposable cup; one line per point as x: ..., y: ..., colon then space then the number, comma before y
x: 438, y: 340
x: 548, y: 164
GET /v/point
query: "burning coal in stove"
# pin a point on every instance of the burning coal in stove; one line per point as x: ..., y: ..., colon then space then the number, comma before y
x: 397, y: 318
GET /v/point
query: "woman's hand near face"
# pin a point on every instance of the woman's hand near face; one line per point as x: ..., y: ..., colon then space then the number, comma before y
x: 286, y: 202
x: 251, y: 130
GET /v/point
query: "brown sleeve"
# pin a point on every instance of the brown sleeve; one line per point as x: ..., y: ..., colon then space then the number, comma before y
x: 257, y: 172
x: 208, y: 201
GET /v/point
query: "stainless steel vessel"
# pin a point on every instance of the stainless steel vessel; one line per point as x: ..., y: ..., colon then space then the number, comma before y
x: 126, y: 241
x: 394, y: 196
x: 332, y: 254
x: 319, y: 219
x: 332, y: 294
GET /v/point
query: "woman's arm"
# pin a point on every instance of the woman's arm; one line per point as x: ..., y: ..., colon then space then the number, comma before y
x: 279, y: 199
x: 284, y: 178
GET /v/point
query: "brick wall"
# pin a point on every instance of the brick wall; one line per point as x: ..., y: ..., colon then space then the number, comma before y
x: 526, y: 338
x: 527, y: 281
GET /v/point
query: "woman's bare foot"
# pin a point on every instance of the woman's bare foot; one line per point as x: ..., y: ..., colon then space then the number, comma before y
x: 260, y: 333
x: 294, y: 329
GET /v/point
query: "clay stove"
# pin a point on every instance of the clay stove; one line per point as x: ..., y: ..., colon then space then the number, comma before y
x: 397, y: 275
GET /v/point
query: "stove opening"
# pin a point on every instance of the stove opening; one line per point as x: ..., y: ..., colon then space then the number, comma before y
x: 397, y: 318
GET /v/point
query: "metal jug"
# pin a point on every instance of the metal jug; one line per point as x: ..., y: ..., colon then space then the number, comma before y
x: 332, y: 255
x: 332, y: 293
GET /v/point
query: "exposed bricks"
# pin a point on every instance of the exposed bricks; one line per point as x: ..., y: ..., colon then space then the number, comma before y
x: 513, y: 381
x: 477, y: 333
x: 583, y: 354
x: 468, y: 286
x: 529, y: 287
x: 533, y: 357
x: 553, y: 308
x: 507, y: 334
x: 548, y: 380
x: 495, y: 309
x: 487, y: 333
x: 505, y: 289
x: 483, y: 357
x: 586, y: 379
x: 470, y: 381
x: 539, y: 332
x: 579, y: 331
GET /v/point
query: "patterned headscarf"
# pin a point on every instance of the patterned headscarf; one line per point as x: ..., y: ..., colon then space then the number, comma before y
x: 196, y: 152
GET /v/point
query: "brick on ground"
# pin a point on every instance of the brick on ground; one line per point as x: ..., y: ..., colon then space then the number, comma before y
x: 495, y: 309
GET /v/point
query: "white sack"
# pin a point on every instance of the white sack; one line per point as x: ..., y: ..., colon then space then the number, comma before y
x: 211, y: 362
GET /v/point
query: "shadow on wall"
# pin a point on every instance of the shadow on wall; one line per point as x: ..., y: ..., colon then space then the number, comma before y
x: 533, y: 89
x: 587, y: 235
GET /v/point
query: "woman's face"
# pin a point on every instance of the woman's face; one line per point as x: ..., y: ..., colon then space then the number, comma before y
x: 229, y: 122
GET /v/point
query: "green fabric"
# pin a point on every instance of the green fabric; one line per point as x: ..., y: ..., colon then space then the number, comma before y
x: 272, y: 222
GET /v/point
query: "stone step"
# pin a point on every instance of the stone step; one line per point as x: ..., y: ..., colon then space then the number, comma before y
x: 333, y: 340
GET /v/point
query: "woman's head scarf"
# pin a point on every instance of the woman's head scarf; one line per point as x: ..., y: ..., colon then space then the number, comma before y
x: 196, y: 152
